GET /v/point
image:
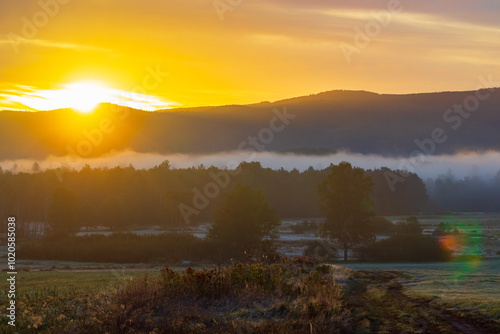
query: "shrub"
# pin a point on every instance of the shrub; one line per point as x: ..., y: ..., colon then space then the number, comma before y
x: 119, y: 248
x: 406, y: 247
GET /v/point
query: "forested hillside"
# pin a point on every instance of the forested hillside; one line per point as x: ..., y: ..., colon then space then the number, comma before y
x: 359, y: 122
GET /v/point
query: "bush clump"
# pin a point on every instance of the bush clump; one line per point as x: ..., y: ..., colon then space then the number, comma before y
x: 407, y: 243
x: 119, y: 248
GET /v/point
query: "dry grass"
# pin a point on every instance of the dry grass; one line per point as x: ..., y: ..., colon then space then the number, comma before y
x: 242, y: 298
x: 288, y: 297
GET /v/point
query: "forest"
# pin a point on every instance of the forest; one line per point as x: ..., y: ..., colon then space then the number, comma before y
x: 123, y: 197
x: 470, y: 194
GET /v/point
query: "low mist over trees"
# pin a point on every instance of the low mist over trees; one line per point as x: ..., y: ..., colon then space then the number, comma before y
x: 468, y: 194
x: 125, y: 196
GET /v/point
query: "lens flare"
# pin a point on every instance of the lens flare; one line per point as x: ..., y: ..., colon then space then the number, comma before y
x: 450, y: 243
x: 465, y: 240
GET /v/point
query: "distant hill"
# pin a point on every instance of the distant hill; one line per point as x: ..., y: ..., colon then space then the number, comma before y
x: 355, y: 121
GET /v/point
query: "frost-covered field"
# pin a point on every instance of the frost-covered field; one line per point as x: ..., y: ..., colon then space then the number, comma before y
x: 482, y: 231
x: 482, y: 228
x: 463, y: 284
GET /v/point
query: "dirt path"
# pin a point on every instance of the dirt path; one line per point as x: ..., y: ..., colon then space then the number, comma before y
x: 381, y: 306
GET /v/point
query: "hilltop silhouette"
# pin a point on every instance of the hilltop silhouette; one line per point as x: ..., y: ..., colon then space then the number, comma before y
x: 355, y: 121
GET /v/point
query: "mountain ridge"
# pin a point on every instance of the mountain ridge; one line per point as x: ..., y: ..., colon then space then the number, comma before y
x: 355, y: 121
x: 301, y: 98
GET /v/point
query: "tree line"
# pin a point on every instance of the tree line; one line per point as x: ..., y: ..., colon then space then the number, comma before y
x: 244, y: 225
x: 121, y: 197
x: 470, y: 194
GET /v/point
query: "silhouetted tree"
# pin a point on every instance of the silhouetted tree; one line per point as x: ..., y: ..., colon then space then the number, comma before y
x: 405, y: 197
x: 171, y: 200
x: 36, y: 167
x: 244, y: 220
x: 114, y: 212
x: 63, y: 213
x: 381, y: 225
x: 345, y: 198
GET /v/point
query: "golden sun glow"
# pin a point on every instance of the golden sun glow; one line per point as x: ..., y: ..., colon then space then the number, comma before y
x: 330, y: 45
x: 80, y: 96
x: 84, y: 97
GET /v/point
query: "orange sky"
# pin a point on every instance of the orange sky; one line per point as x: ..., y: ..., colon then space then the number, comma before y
x: 248, y: 52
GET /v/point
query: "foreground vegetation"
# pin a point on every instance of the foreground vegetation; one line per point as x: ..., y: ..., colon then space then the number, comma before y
x: 267, y: 298
x: 287, y: 297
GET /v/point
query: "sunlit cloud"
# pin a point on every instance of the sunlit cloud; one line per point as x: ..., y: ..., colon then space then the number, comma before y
x: 52, y: 44
x: 81, y: 96
x: 420, y: 22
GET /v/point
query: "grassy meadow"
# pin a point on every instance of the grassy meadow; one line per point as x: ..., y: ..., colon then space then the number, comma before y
x: 295, y: 294
x: 289, y: 297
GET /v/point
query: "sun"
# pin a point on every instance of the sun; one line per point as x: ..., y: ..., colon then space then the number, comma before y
x: 82, y: 96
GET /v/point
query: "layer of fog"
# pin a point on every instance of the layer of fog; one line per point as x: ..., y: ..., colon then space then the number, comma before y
x: 483, y: 165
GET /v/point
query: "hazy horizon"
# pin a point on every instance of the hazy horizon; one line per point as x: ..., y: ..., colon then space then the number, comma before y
x: 483, y: 165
